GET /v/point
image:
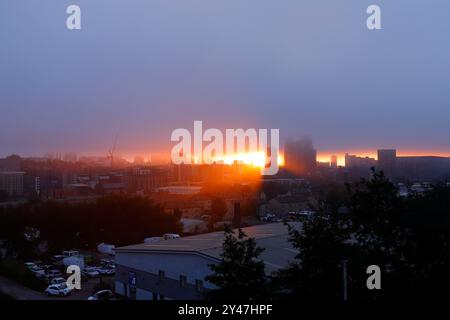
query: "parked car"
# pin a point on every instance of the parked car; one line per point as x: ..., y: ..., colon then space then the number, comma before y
x: 91, y: 272
x: 106, y: 262
x: 58, y: 257
x: 152, y: 239
x: 58, y: 290
x: 58, y: 280
x: 104, y: 271
x: 102, y: 295
x: 47, y: 267
x: 53, y: 273
x: 38, y: 271
x: 268, y: 217
x: 30, y: 265
x: 74, y: 260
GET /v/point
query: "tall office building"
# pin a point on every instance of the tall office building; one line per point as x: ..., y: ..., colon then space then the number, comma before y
x: 146, y: 179
x: 333, y: 161
x: 387, y: 162
x: 300, y: 156
x: 353, y: 161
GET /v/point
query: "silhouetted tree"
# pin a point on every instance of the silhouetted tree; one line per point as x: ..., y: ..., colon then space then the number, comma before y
x: 116, y: 219
x: 322, y: 247
x: 240, y: 275
x: 408, y: 238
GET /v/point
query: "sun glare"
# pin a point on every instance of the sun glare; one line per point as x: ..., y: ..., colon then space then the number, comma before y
x: 256, y: 159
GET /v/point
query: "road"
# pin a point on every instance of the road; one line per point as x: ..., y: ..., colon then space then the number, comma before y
x: 20, y: 292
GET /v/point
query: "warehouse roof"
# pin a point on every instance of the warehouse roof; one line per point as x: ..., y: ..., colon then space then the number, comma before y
x: 272, y: 237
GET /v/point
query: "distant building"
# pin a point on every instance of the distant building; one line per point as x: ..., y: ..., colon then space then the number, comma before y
x: 333, y: 161
x: 181, y: 173
x: 176, y: 269
x: 194, y: 225
x: 181, y: 190
x: 188, y: 209
x: 70, y: 157
x: 423, y: 168
x: 32, y: 184
x: 358, y: 167
x: 146, y: 179
x: 11, y: 163
x: 138, y: 160
x: 300, y: 157
x: 387, y: 162
x: 352, y: 161
x: 281, y: 206
x: 11, y: 182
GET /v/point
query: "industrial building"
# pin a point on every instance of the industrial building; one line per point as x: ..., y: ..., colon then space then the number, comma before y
x: 11, y: 182
x: 176, y: 269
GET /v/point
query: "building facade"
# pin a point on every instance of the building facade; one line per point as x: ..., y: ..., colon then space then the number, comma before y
x: 11, y: 182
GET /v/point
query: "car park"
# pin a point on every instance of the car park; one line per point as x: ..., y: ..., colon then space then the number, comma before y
x: 53, y: 273
x: 30, y: 265
x: 58, y: 280
x: 47, y: 267
x: 91, y: 272
x: 102, y: 295
x: 106, y: 262
x: 111, y: 266
x: 38, y: 272
x: 153, y: 239
x: 269, y: 217
x: 70, y: 253
x: 105, y: 271
x: 58, y: 259
x: 58, y: 290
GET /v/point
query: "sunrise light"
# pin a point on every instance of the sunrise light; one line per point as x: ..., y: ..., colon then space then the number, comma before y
x: 256, y: 159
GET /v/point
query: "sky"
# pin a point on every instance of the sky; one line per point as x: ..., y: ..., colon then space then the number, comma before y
x: 139, y: 69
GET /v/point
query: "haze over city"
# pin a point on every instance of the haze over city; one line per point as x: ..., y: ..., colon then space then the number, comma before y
x: 141, y: 71
x: 252, y: 156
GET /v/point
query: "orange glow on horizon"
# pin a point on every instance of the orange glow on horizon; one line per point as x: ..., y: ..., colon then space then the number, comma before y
x: 256, y: 159
x: 325, y: 156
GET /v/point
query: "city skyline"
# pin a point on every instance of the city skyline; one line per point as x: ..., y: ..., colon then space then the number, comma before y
x: 143, y: 70
x: 157, y: 158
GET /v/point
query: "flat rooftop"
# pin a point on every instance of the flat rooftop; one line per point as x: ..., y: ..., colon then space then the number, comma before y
x: 272, y: 237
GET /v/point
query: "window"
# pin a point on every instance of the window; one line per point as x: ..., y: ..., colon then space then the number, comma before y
x: 183, y: 281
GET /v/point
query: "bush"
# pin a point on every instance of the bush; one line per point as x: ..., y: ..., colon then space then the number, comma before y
x: 16, y: 271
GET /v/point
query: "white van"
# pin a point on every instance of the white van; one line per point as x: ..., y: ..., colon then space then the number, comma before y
x: 170, y: 236
x: 70, y: 253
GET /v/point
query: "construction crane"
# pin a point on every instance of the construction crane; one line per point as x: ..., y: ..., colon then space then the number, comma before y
x: 112, y: 151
